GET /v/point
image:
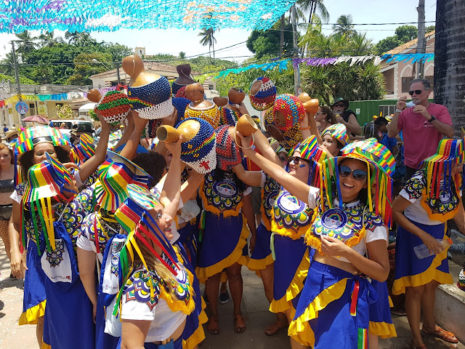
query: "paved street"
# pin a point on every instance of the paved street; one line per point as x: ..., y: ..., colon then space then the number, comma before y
x: 255, y: 308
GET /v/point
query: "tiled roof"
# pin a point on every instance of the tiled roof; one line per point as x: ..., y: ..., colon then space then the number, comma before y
x: 412, y: 44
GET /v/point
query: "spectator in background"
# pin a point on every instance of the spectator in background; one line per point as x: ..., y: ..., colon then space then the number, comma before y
x: 324, y: 118
x: 423, y: 125
x: 346, y: 116
x: 381, y: 134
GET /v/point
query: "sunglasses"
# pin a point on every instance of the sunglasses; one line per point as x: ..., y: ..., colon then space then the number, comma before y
x: 417, y: 92
x: 359, y: 175
x: 339, y: 105
x: 296, y: 160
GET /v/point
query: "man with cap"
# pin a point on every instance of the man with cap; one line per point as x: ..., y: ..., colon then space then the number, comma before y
x: 346, y: 116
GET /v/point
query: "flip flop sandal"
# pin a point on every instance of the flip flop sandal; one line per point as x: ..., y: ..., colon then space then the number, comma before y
x: 239, y: 328
x: 442, y: 334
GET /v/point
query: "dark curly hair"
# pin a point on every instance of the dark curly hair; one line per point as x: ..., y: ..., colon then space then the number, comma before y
x: 153, y: 163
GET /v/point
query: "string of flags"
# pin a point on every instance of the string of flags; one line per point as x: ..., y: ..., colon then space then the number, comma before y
x: 325, y: 61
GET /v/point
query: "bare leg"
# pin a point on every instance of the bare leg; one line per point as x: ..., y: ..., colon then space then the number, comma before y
x: 267, y: 276
x: 372, y: 341
x: 427, y: 305
x: 40, y: 331
x: 5, y: 237
x: 236, y: 288
x: 294, y: 344
x: 413, y: 296
x: 211, y: 289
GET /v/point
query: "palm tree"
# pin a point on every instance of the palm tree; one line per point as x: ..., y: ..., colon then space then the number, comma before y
x: 78, y: 39
x: 449, y: 60
x: 344, y: 26
x: 208, y: 38
x: 47, y: 39
x: 314, y: 6
x: 25, y: 44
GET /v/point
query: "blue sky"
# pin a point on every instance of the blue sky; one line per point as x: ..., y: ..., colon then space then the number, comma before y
x: 173, y: 41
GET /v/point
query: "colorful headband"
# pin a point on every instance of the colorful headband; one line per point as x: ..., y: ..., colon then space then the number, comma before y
x: 46, y: 180
x: 114, y: 107
x: 114, y: 176
x: 83, y: 151
x: 227, y: 151
x: 308, y: 148
x: 34, y: 135
x: 379, y: 181
x: 338, y: 131
x: 199, y: 151
x: 152, y: 101
x: 210, y: 114
x: 288, y: 111
x: 265, y: 96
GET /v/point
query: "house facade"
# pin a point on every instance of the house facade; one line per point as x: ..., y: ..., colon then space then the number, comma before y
x: 397, y: 75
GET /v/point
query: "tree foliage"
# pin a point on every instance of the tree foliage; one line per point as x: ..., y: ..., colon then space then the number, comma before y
x: 403, y: 34
x: 266, y: 42
x: 49, y: 60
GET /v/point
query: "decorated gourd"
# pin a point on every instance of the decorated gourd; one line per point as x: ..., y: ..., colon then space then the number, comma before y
x: 149, y: 93
x: 262, y: 93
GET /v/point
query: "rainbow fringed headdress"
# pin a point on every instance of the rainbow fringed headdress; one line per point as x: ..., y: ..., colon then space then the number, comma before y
x: 138, y: 218
x: 438, y: 167
x: 45, y: 181
x: 34, y: 135
x: 114, y: 176
x: 381, y: 165
x: 338, y: 131
x: 308, y: 149
x: 84, y: 150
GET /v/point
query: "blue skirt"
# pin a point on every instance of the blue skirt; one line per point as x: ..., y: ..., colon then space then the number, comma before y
x: 222, y: 244
x: 380, y: 313
x: 261, y: 255
x: 333, y: 309
x: 412, y: 271
x: 290, y: 271
x: 188, y: 237
x: 34, y: 298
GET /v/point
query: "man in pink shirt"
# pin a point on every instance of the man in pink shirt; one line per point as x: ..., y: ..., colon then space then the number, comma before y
x: 423, y: 125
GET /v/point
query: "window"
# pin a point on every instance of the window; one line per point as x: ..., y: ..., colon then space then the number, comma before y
x: 386, y: 109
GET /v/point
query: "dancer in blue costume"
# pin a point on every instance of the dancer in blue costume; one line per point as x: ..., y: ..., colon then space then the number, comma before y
x: 290, y: 219
x: 225, y: 231
x: 32, y: 146
x: 157, y: 290
x: 332, y: 309
x: 427, y: 201
x: 261, y: 259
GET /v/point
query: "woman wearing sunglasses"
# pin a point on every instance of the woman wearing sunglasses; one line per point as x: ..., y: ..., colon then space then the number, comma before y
x: 428, y: 200
x: 332, y: 309
x: 290, y: 218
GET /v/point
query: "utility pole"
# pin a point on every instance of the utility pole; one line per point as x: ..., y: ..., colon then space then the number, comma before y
x: 296, y: 51
x: 421, y: 44
x: 117, y: 73
x: 15, y: 62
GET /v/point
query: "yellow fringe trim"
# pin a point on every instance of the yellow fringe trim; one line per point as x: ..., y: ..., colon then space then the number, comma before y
x: 199, y: 334
x: 45, y: 346
x: 441, y: 217
x: 391, y: 305
x: 213, y: 209
x: 235, y: 257
x: 382, y: 329
x: 296, y: 286
x: 260, y: 264
x: 299, y: 329
x: 31, y: 315
x: 424, y: 278
x: 179, y: 305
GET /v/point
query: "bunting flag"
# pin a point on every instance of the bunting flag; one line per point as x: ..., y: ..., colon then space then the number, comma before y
x: 111, y: 15
x: 325, y: 61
